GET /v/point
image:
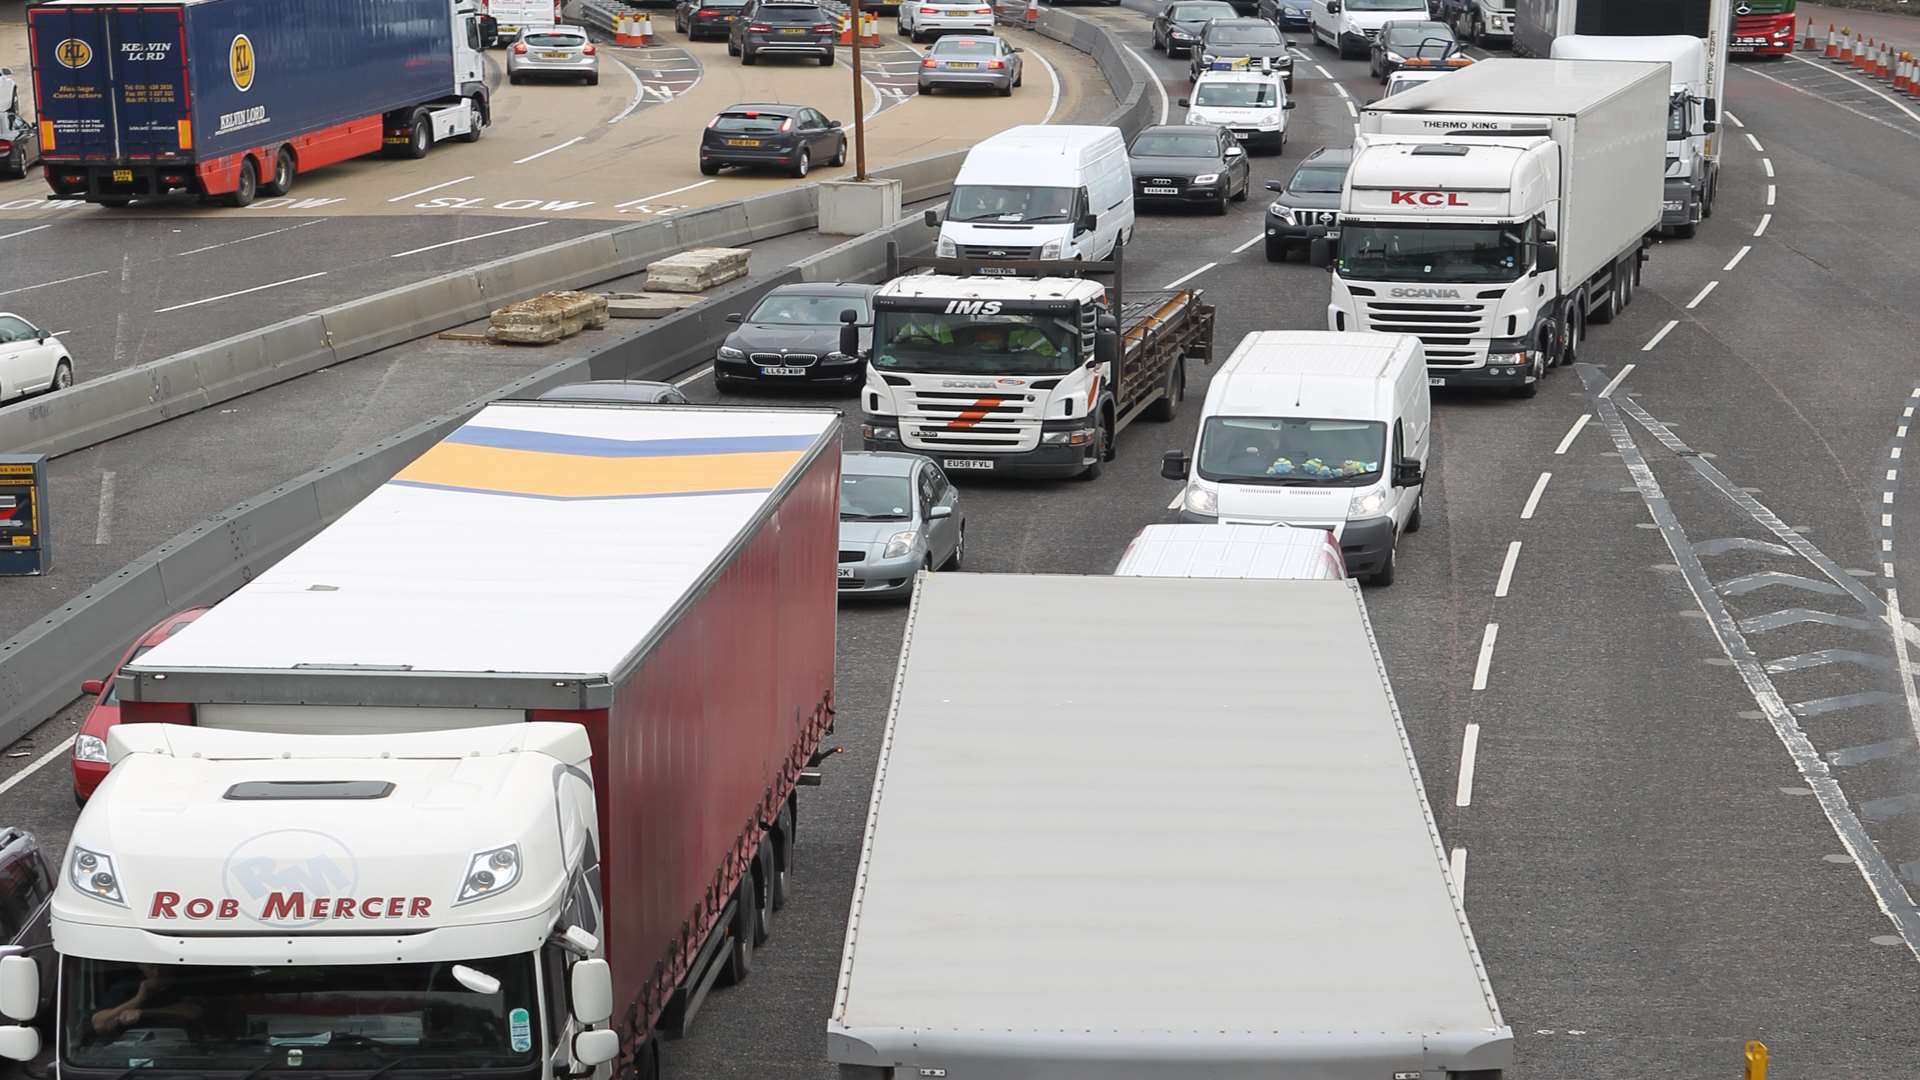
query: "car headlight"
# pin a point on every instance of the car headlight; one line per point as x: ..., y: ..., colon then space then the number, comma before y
x: 1051, y: 249
x: 945, y: 249
x: 728, y: 352
x: 1201, y: 501
x: 1396, y: 57
x: 1283, y: 213
x: 900, y: 543
x: 1205, y: 178
x: 490, y: 873
x: 880, y: 432
x: 92, y: 873
x: 1206, y: 58
x: 838, y: 357
x: 1367, y: 505
x: 89, y: 748
x: 1182, y: 35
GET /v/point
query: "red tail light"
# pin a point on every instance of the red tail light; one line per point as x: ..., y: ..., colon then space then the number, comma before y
x: 996, y: 65
x: 825, y: 28
x: 924, y: 10
x: 586, y: 50
x: 759, y: 28
x: 929, y: 62
x: 6, y: 147
x: 520, y: 47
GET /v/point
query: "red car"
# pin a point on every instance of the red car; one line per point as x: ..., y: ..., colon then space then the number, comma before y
x: 90, y: 746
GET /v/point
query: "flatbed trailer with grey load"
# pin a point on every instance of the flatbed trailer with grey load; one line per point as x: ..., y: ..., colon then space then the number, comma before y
x: 1199, y: 851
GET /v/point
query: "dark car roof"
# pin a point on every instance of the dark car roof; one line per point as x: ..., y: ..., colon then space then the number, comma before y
x: 1329, y: 155
x: 1416, y: 24
x: 169, y: 626
x: 638, y: 390
x: 1242, y: 23
x: 825, y: 288
x: 879, y: 463
x: 1174, y: 8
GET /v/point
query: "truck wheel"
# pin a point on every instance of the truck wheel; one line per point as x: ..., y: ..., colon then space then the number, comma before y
x: 283, y: 172
x: 646, y: 1061
x: 1169, y: 405
x: 1576, y: 322
x: 763, y: 892
x: 422, y: 140
x: 248, y: 186
x: 480, y: 120
x: 738, y: 961
x: 1100, y: 455
x: 782, y: 856
x: 17, y: 162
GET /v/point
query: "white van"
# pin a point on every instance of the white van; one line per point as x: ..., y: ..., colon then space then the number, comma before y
x: 1270, y: 552
x: 1041, y: 191
x: 1315, y: 428
x: 1351, y: 27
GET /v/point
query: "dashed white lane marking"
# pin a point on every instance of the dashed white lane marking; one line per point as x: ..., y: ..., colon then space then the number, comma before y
x: 1617, y: 380
x: 695, y: 377
x: 1351, y: 110
x: 1324, y: 73
x: 1481, y: 665
x: 1773, y: 192
x: 103, y: 530
x: 1755, y: 143
x: 1177, y: 496
x: 38, y: 763
x: 468, y: 239
x: 1457, y: 864
x: 1184, y: 278
x: 1053, y: 106
x: 50, y: 284
x: 1661, y: 336
x: 24, y: 232
x: 1767, y: 163
x: 1695, y: 302
x: 550, y: 150
x: 1736, y: 121
x: 255, y: 236
x: 1573, y: 433
x: 1506, y: 569
x: 1533, y: 500
x: 1761, y: 229
x: 433, y: 187
x: 1840, y: 74
x: 1341, y: 90
x: 661, y: 195
x: 1158, y: 87
x: 1256, y: 239
x: 1737, y: 256
x: 242, y: 292
x: 1469, y: 747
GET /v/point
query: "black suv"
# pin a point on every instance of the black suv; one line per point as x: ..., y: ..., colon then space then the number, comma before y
x: 776, y: 28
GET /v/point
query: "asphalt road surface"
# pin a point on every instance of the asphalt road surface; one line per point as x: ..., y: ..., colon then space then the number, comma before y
x: 1661, y: 601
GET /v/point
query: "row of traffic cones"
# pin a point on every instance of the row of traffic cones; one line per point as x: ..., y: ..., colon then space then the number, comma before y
x: 1878, y: 59
x: 869, y: 30
x: 633, y: 29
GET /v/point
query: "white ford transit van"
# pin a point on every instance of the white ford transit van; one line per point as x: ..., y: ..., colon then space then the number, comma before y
x: 1314, y: 428
x: 1041, y: 191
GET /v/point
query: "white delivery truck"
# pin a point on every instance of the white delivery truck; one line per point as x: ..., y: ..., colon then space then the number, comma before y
x: 1226, y: 875
x: 1041, y: 191
x: 1538, y: 23
x: 1495, y: 212
x: 1693, y: 165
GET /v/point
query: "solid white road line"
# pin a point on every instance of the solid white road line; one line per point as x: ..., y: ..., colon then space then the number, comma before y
x: 255, y: 236
x: 1351, y: 110
x: 103, y: 531
x: 639, y: 92
x: 242, y: 292
x: 1573, y: 433
x: 37, y: 764
x: 1506, y: 569
x: 1761, y: 229
x: 1695, y: 302
x: 661, y: 195
x: 1158, y: 86
x: 1469, y: 750
x: 1324, y: 73
x: 1184, y: 278
x: 1767, y: 163
x: 1533, y: 500
x: 1611, y: 386
x: 1457, y: 865
x: 24, y: 232
x: 1250, y: 243
x: 469, y: 239
x: 1755, y: 143
x: 550, y: 150
x: 1053, y: 106
x: 1864, y: 86
x: 695, y: 377
x: 1661, y: 336
x: 1341, y: 90
x: 48, y: 284
x: 1486, y: 659
x: 424, y: 190
x: 1737, y: 256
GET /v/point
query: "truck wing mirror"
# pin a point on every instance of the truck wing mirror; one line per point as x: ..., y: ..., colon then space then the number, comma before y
x: 596, y: 1047
x: 591, y: 988
x: 1548, y: 236
x: 849, y: 332
x: 1708, y: 127
x: 1548, y: 258
x: 1710, y: 108
x: 1174, y: 465
x: 1107, y: 324
x: 19, y: 988
x: 932, y: 218
x: 1106, y: 350
x: 1320, y: 252
x: 19, y: 1043
x: 1408, y: 473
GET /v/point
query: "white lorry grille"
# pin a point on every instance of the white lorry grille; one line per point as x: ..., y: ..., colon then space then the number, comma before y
x: 967, y: 420
x: 1447, y: 330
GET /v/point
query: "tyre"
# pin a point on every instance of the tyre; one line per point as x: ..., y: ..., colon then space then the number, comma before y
x: 732, y: 49
x: 840, y: 154
x: 923, y: 88
x: 1276, y: 251
x: 827, y: 60
x: 1686, y: 232
x: 480, y: 119
x: 900, y: 27
x: 1168, y: 407
x: 1158, y: 45
x: 1413, y: 520
x: 247, y: 187
x: 422, y: 140
x: 747, y: 58
x: 763, y: 892
x: 1102, y: 453
x: 17, y: 163
x: 62, y: 377
x: 737, y: 963
x: 959, y: 549
x: 1220, y: 207
x: 1020, y: 78
x: 1006, y: 91
x: 1576, y: 329
x: 804, y: 163
x: 514, y: 78
x: 283, y: 172
x: 1245, y: 189
x: 709, y: 168
x: 782, y: 857
x: 594, y: 79
x: 1384, y: 576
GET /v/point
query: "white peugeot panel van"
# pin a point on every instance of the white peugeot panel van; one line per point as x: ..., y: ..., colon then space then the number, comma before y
x: 1314, y: 428
x: 1041, y: 191
x: 1351, y: 25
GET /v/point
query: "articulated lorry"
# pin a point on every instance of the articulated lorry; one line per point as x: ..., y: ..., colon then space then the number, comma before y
x: 986, y: 371
x: 1763, y: 27
x: 1693, y: 154
x: 1228, y: 875
x: 232, y: 99
x: 495, y: 774
x: 1483, y: 22
x: 1496, y: 212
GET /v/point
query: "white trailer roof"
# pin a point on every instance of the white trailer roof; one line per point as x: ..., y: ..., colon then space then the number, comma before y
x: 1518, y: 87
x: 1195, y: 845
x: 539, y: 538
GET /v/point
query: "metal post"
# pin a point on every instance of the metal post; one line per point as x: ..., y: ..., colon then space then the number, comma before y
x: 859, y: 104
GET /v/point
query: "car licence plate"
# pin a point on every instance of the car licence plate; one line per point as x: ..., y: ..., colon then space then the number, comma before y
x: 968, y: 463
x: 743, y: 142
x: 553, y: 56
x: 1162, y: 190
x: 123, y: 176
x: 793, y: 30
x: 1749, y: 41
x: 961, y: 66
x: 845, y: 571
x: 1435, y: 381
x: 783, y: 371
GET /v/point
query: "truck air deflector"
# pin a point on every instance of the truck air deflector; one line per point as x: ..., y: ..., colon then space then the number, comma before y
x: 359, y: 686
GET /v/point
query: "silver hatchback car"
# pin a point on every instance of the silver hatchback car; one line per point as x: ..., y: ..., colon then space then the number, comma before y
x: 559, y: 52
x: 899, y: 515
x: 968, y: 61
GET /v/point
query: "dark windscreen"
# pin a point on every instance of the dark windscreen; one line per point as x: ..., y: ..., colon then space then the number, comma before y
x: 965, y: 47
x: 750, y: 122
x: 1243, y: 35
x: 1192, y: 13
x: 1644, y: 17
x: 789, y: 16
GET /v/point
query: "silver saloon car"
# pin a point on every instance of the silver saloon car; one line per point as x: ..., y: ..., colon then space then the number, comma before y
x: 899, y: 515
x: 969, y: 62
x: 558, y: 52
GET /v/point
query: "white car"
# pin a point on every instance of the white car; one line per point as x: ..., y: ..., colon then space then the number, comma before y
x: 1407, y: 80
x: 924, y: 21
x: 31, y: 359
x: 1251, y: 104
x: 9, y: 92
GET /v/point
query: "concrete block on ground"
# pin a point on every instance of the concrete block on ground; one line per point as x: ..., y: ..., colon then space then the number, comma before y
x: 697, y: 270
x: 547, y: 318
x: 649, y: 305
x: 858, y: 207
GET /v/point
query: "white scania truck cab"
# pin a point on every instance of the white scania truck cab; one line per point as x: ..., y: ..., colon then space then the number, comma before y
x: 1693, y: 160
x: 1495, y: 212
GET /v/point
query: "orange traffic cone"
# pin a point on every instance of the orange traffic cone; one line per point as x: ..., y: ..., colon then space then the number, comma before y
x: 1900, y: 81
x: 869, y: 30
x: 1862, y: 56
x: 623, y: 29
x: 1809, y: 45
x: 1833, y: 43
x: 1033, y: 14
x: 1845, y: 56
x: 1883, y: 63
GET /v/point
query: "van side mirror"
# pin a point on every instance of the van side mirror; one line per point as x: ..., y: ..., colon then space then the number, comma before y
x: 1175, y: 465
x: 1408, y: 473
x: 19, y: 988
x: 1320, y: 252
x: 596, y: 1047
x: 1088, y: 223
x: 591, y: 988
x: 735, y: 317
x: 1184, y: 103
x: 1289, y: 104
x: 849, y: 333
x: 1333, y: 7
x: 1548, y: 258
x: 932, y: 218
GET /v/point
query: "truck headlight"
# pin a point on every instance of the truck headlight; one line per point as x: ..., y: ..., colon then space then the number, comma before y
x: 89, y: 748
x: 92, y: 873
x: 490, y: 873
x: 1367, y: 505
x: 1050, y: 250
x: 1070, y: 437
x: 944, y: 249
x: 1283, y: 213
x: 1206, y: 178
x: 880, y: 432
x: 900, y: 543
x: 1500, y: 346
x: 728, y: 352
x: 1200, y: 501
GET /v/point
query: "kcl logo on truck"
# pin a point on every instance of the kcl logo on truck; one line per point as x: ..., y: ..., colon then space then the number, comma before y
x: 1428, y: 198
x: 973, y: 307
x: 240, y: 62
x: 73, y: 53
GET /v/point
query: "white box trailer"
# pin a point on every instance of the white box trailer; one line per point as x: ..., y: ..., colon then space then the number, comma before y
x: 1117, y: 874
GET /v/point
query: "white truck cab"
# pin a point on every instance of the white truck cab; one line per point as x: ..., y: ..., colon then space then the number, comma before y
x: 1351, y: 25
x: 1251, y: 103
x: 1316, y: 429
x: 1693, y: 158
